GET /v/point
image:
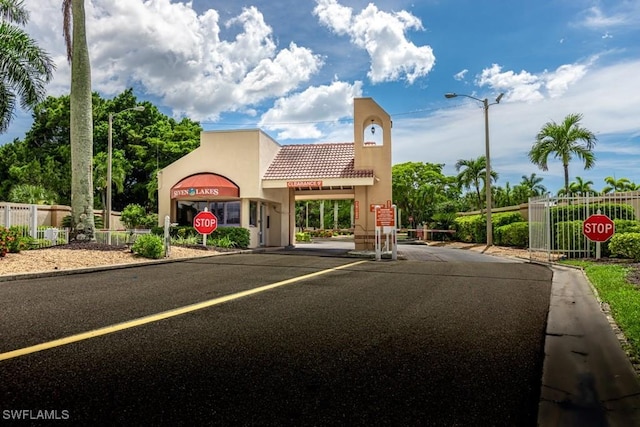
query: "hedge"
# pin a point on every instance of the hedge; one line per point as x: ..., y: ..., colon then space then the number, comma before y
x: 513, y: 234
x: 626, y: 245
x: 473, y: 228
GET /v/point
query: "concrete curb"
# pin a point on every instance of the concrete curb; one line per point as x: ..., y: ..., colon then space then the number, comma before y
x: 84, y: 270
x: 587, y: 378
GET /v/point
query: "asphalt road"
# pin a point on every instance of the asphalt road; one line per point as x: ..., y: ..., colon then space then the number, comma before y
x: 387, y: 343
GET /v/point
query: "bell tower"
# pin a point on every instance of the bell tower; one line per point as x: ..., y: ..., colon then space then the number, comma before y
x: 370, y: 155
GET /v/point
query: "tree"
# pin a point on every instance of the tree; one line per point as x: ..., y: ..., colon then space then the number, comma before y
x: 533, y: 184
x: 119, y: 170
x: 614, y: 185
x: 473, y: 172
x: 24, y: 67
x: 564, y: 141
x: 579, y: 187
x: 81, y: 124
x: 32, y: 194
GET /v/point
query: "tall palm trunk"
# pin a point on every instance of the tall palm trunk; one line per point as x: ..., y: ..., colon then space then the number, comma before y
x: 81, y: 128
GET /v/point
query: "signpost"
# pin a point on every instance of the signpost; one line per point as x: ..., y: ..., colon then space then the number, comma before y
x: 205, y: 223
x: 598, y: 228
x: 386, y: 223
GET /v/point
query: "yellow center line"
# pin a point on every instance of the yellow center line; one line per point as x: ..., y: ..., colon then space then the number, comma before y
x: 163, y: 315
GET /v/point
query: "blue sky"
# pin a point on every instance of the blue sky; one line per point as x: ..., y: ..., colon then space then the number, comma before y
x: 293, y: 67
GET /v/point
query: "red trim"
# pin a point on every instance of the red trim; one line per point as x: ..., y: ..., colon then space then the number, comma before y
x: 204, y: 185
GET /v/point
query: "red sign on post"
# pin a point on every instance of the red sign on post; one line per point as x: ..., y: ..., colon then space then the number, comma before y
x: 205, y: 222
x: 385, y: 217
x: 598, y: 228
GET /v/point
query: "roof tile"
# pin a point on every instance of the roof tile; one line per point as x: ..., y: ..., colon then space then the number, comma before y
x: 315, y: 161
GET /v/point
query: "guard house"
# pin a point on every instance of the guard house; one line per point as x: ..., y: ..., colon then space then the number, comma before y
x: 249, y: 180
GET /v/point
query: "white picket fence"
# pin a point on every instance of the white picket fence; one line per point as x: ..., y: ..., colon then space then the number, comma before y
x: 26, y: 218
x: 555, y: 222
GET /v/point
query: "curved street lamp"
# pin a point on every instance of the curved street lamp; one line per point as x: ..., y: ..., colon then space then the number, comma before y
x: 487, y: 184
x: 107, y: 222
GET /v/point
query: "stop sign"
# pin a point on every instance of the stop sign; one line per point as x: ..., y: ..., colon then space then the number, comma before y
x: 598, y: 228
x: 205, y: 222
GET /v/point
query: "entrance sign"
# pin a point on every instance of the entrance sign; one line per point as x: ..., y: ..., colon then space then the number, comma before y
x: 386, y: 224
x: 385, y: 217
x: 205, y: 223
x: 598, y: 228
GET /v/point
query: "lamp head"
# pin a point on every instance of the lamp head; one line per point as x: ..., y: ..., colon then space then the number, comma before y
x: 450, y: 95
x: 499, y: 98
x: 138, y: 108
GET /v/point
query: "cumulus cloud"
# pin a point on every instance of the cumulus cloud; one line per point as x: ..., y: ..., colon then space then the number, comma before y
x: 179, y: 56
x: 383, y: 36
x: 299, y: 116
x: 525, y: 86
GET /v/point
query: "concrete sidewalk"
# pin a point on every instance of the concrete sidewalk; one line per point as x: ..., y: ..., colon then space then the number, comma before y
x: 587, y: 378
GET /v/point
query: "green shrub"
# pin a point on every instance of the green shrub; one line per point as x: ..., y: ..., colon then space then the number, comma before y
x: 303, y: 237
x: 504, y: 218
x: 626, y: 245
x: 627, y: 226
x: 133, y: 216
x: 471, y: 229
x: 148, y: 246
x: 9, y: 241
x: 238, y: 235
x: 223, y: 242
x: 513, y: 234
x: 582, y: 211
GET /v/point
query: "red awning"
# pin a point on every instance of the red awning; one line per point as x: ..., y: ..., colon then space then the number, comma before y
x: 204, y: 185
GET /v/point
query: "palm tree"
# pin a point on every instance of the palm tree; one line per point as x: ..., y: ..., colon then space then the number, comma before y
x: 613, y: 184
x: 533, y: 183
x: 24, y: 67
x: 119, y: 169
x: 81, y: 119
x: 579, y: 187
x: 564, y: 141
x: 32, y: 194
x: 473, y: 173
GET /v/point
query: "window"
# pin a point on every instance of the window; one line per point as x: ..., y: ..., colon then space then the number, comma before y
x: 253, y: 213
x: 228, y: 213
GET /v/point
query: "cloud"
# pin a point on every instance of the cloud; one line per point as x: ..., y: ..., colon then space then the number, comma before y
x: 526, y: 86
x: 625, y: 13
x: 299, y: 116
x: 383, y: 36
x: 179, y: 56
x: 460, y: 76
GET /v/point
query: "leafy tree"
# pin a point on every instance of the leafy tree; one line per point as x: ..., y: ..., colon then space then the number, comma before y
x: 119, y: 169
x: 615, y: 185
x: 579, y: 187
x: 564, y: 140
x: 32, y: 194
x: 417, y: 188
x: 24, y: 67
x: 473, y: 172
x: 533, y: 184
x: 81, y: 119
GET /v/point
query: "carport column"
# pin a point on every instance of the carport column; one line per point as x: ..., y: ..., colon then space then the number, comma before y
x: 335, y: 215
x: 322, y: 215
x: 292, y: 218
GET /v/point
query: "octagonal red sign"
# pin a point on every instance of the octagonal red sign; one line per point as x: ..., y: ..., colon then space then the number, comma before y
x: 205, y: 222
x: 598, y: 228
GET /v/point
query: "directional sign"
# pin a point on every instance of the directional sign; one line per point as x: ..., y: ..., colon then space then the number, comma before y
x: 205, y: 222
x: 598, y: 228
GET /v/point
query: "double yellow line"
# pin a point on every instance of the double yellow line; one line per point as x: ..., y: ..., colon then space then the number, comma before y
x: 163, y: 315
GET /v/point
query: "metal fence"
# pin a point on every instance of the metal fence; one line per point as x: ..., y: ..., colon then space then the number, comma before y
x: 24, y: 219
x: 555, y: 222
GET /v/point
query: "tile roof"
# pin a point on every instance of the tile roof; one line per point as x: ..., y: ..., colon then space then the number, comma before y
x: 313, y: 161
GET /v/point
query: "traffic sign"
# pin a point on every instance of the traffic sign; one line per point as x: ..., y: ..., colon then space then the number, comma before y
x: 598, y: 228
x: 205, y: 222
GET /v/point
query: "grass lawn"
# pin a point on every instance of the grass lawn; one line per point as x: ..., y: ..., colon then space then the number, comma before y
x: 614, y: 288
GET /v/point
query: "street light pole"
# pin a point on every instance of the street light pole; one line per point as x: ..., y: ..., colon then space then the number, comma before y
x: 107, y: 222
x: 487, y: 184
